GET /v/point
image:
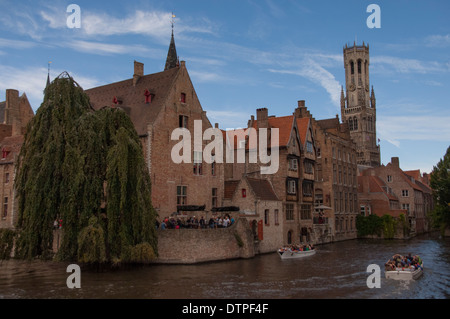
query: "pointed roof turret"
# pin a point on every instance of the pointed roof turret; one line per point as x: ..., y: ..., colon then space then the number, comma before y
x: 172, y: 57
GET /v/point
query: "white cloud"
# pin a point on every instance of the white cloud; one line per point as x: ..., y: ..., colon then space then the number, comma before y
x: 110, y: 48
x: 313, y: 71
x: 32, y: 81
x: 394, y: 129
x: 388, y: 64
x: 438, y: 41
x: 16, y: 44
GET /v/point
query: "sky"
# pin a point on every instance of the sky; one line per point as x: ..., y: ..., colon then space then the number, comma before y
x: 247, y: 54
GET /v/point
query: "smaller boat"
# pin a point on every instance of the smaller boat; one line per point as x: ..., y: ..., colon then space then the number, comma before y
x: 295, y: 252
x: 411, y: 269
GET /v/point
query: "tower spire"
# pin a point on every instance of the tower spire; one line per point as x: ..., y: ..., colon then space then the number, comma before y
x: 48, y: 74
x: 172, y: 57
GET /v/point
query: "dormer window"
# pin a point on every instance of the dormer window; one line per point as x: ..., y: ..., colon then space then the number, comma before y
x: 183, y: 98
x: 5, y: 153
x: 148, y: 97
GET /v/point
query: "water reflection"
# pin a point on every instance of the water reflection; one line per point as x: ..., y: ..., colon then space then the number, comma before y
x: 337, y: 271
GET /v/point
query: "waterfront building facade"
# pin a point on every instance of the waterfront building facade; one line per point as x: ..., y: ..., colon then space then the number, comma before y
x: 414, y: 197
x: 336, y: 193
x: 158, y: 104
x: 15, y: 113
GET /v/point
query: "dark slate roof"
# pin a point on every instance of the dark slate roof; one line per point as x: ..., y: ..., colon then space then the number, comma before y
x: 262, y: 189
x: 133, y: 99
x: 172, y: 57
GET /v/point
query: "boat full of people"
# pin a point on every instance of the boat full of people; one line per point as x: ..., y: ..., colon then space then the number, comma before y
x: 296, y: 251
x: 404, y: 267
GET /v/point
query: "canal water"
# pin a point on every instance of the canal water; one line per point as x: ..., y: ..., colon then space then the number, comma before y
x: 337, y: 270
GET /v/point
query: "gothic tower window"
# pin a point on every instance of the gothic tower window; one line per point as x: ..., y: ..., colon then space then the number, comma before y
x: 352, y: 67
x: 355, y: 123
x: 359, y: 66
x: 350, y: 124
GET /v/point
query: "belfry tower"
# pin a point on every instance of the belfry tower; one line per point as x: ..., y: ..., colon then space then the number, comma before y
x: 358, y: 105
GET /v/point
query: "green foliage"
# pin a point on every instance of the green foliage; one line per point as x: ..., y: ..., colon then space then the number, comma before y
x: 370, y: 225
x: 440, y: 184
x: 6, y: 243
x: 73, y: 160
x: 91, y: 243
x: 385, y: 226
x: 389, y: 226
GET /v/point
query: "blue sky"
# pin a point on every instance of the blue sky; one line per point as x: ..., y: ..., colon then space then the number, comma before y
x: 243, y: 55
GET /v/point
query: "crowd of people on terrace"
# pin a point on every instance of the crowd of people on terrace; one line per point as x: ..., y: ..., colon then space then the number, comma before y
x: 399, y: 262
x: 195, y: 223
x: 304, y: 247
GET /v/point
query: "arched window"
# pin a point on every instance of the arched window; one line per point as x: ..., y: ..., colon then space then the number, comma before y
x: 355, y: 123
x: 352, y: 67
x: 359, y: 66
x: 370, y: 124
x: 350, y: 124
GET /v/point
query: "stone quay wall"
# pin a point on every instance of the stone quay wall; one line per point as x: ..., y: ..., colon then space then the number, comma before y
x: 189, y: 246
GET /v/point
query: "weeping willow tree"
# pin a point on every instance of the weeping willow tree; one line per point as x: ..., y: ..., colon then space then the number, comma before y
x: 87, y: 168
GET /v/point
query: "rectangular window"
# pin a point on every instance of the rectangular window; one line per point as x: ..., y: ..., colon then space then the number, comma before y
x: 198, y: 163
x: 181, y: 195
x: 289, y: 211
x: 5, y: 207
x: 309, y: 147
x: 334, y: 174
x: 183, y: 121
x: 405, y: 193
x: 183, y: 98
x: 266, y: 217
x: 6, y: 178
x: 405, y: 206
x: 305, y: 211
x: 292, y: 187
x: 363, y: 210
x: 309, y: 167
x: 389, y: 178
x: 214, y: 197
x: 307, y: 189
x: 293, y: 164
x: 276, y: 217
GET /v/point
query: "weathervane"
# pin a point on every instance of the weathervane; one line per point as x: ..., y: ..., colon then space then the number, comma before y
x: 172, y: 21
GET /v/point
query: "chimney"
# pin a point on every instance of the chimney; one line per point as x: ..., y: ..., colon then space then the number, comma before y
x: 301, y: 110
x: 262, y: 118
x: 138, y: 72
x: 12, y: 106
x: 395, y: 162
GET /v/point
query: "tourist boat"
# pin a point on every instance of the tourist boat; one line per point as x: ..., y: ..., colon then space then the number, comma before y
x: 288, y: 253
x: 404, y: 273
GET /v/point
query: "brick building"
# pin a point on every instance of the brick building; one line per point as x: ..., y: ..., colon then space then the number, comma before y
x: 336, y: 188
x: 292, y: 183
x: 158, y: 104
x: 414, y: 197
x: 15, y: 113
